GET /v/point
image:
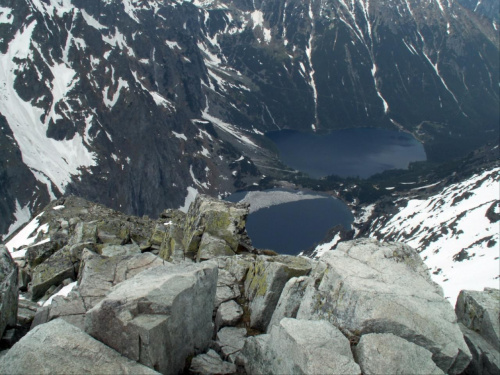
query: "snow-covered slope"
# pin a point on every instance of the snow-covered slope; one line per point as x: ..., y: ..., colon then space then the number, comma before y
x: 456, y: 230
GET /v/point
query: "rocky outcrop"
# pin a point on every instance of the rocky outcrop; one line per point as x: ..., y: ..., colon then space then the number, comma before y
x: 158, y: 317
x: 264, y: 282
x: 61, y: 348
x: 479, y: 317
x: 215, y: 227
x: 366, y: 306
x: 368, y: 287
x: 300, y: 347
x: 8, y: 290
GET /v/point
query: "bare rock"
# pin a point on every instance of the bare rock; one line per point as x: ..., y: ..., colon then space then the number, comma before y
x: 61, y: 348
x: 388, y: 354
x: 299, y: 347
x: 228, y: 314
x: 370, y: 287
x: 8, y: 290
x: 265, y: 281
x: 146, y: 318
x: 211, y: 364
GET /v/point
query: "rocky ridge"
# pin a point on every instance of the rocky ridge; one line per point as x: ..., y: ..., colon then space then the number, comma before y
x: 188, y: 293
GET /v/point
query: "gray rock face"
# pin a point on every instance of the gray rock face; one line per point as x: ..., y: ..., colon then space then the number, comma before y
x: 485, y: 356
x: 388, y: 354
x: 99, y: 274
x: 300, y: 347
x: 290, y: 300
x: 53, y: 271
x: 227, y: 288
x: 228, y: 314
x: 211, y: 364
x: 220, y: 219
x: 373, y: 288
x: 146, y: 318
x: 120, y: 250
x: 265, y: 281
x: 480, y: 312
x: 479, y: 315
x: 230, y: 341
x: 8, y: 290
x: 38, y: 253
x: 61, y: 348
x: 211, y: 247
x: 84, y: 232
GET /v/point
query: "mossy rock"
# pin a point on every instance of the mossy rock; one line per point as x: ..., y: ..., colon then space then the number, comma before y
x: 52, y: 272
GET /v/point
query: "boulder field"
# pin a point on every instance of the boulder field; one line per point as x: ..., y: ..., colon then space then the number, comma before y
x: 106, y: 293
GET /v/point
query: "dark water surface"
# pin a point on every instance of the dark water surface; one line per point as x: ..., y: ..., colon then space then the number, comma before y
x: 292, y: 227
x: 347, y: 153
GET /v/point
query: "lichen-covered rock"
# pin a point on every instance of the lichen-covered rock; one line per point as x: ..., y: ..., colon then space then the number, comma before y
x: 211, y: 364
x: 300, y: 347
x: 8, y: 290
x: 265, y: 281
x: 224, y: 220
x: 211, y: 247
x: 385, y: 353
x: 113, y: 232
x: 160, y: 316
x: 370, y: 287
x: 37, y: 254
x: 52, y: 272
x: 84, y: 232
x: 479, y: 315
x: 61, y: 348
x: 172, y: 244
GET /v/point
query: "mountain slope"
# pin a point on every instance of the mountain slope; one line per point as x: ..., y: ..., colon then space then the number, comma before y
x: 453, y: 223
x: 138, y: 104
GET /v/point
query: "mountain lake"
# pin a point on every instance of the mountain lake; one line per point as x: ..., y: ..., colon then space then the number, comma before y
x: 360, y: 152
x: 289, y: 221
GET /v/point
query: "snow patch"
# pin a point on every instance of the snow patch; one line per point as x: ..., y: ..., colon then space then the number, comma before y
x: 325, y: 247
x: 451, y: 231
x: 64, y: 292
x: 22, y: 215
x: 51, y: 161
x: 110, y: 103
x: 180, y: 136
x: 6, y: 15
x: 190, y: 197
x: 27, y: 235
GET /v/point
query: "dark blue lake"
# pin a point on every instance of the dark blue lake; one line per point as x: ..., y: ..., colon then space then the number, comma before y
x: 288, y: 224
x: 347, y: 153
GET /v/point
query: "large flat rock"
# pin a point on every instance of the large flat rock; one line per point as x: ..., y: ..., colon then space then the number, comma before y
x: 384, y: 353
x: 300, y: 347
x: 61, y: 348
x: 160, y: 316
x: 368, y: 287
